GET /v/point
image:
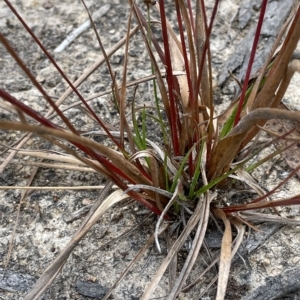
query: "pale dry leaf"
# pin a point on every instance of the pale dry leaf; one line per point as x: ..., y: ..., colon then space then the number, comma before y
x: 245, y: 177
x: 225, y: 256
x: 93, y: 217
x: 292, y: 155
x: 193, y: 221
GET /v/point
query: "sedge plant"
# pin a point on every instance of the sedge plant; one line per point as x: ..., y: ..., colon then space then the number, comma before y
x: 199, y: 155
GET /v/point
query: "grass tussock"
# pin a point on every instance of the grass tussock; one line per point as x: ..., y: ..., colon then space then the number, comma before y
x: 199, y: 155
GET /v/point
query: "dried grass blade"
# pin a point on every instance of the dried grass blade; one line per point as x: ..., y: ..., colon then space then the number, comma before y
x: 263, y: 114
x: 293, y: 67
x: 193, y: 221
x: 29, y: 74
x: 174, y: 121
x: 157, y: 72
x: 278, y: 186
x: 263, y: 70
x: 237, y: 242
x: 123, y: 121
x: 58, y: 188
x: 134, y: 261
x: 88, y: 162
x: 229, y: 146
x: 190, y: 66
x: 163, y: 156
x: 99, y: 208
x: 120, y: 96
x: 245, y: 177
x: 60, y: 166
x: 13, y: 153
x: 194, y: 251
x: 50, y: 156
x: 280, y: 151
x: 154, y: 169
x: 130, y: 84
x: 266, y: 97
x: 164, y: 212
x: 291, y: 152
x: 39, y: 87
x: 173, y: 266
x: 114, y: 84
x: 240, y: 235
x: 117, y: 159
x: 64, y: 96
x: 150, y: 188
x: 201, y: 35
x: 84, y: 76
x: 251, y: 61
x: 275, y: 134
x: 191, y: 285
x: 112, y: 161
x: 225, y: 256
x: 295, y: 200
x: 280, y: 64
x: 263, y: 217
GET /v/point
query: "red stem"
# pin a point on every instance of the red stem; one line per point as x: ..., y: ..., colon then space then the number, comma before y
x: 191, y: 15
x: 113, y: 172
x: 251, y: 60
x: 237, y: 208
x: 111, y: 168
x: 211, y: 108
x: 23, y: 66
x: 153, y: 39
x: 214, y: 12
x: 27, y: 110
x: 62, y: 73
x: 266, y: 204
x: 188, y: 76
x: 169, y: 77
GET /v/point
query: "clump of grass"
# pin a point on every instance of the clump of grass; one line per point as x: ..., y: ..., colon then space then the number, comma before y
x: 200, y: 154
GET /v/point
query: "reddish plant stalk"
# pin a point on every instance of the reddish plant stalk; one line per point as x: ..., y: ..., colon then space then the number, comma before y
x: 113, y: 172
x: 209, y: 29
x: 237, y: 208
x: 44, y: 121
x: 265, y: 204
x: 62, y: 73
x: 293, y: 173
x: 23, y: 66
x: 39, y: 117
x: 211, y: 107
x: 153, y: 39
x: 169, y: 76
x: 27, y: 110
x: 251, y: 60
x: 122, y: 185
x: 188, y: 76
x: 191, y: 15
